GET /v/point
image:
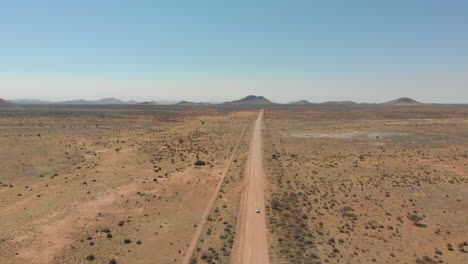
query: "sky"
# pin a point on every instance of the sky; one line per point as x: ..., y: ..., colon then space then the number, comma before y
x: 211, y: 50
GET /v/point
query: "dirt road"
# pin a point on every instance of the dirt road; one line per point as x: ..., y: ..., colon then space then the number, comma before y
x: 251, y: 240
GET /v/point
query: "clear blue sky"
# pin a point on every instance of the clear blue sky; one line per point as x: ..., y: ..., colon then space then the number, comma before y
x: 220, y: 50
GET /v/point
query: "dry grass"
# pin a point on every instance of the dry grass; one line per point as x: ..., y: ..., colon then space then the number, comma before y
x: 361, y: 199
x: 102, y: 185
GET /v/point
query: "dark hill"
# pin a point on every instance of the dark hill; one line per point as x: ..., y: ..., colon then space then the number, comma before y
x: 339, y: 103
x: 403, y: 101
x: 251, y: 100
x: 3, y: 102
x: 148, y: 103
x: 300, y: 102
x: 186, y: 103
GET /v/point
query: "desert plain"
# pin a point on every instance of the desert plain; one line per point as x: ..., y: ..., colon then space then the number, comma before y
x: 178, y: 184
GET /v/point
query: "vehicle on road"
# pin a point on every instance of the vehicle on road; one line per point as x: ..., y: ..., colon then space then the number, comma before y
x: 257, y: 210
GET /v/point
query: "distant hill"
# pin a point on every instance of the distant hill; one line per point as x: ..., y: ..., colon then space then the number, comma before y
x: 166, y: 102
x: 339, y: 103
x: 300, y: 102
x: 3, y: 102
x: 251, y: 100
x: 104, y: 101
x: 186, y: 103
x: 403, y: 101
x: 27, y: 101
x: 97, y: 102
x: 148, y: 103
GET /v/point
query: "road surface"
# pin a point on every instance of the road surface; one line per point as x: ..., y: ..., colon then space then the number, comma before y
x: 251, y: 245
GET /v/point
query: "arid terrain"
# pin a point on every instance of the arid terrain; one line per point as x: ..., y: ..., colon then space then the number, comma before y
x: 180, y: 184
x: 367, y: 184
x: 109, y: 185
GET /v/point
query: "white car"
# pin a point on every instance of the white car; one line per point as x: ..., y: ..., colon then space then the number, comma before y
x: 257, y: 210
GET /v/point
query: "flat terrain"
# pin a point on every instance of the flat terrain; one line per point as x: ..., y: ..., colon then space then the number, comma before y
x: 334, y: 184
x: 367, y: 184
x: 81, y: 185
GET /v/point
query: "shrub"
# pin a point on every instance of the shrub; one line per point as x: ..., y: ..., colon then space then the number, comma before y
x: 275, y: 204
x: 200, y: 163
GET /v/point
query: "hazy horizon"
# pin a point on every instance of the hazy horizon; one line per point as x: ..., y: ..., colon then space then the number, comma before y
x: 362, y: 51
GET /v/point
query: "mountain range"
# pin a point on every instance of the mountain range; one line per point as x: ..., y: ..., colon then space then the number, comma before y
x: 104, y: 101
x: 251, y: 100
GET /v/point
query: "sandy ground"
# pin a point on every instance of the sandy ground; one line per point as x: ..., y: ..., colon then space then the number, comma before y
x: 216, y: 241
x: 251, y: 240
x: 193, y: 243
x: 80, y: 186
x: 367, y: 185
x: 334, y: 185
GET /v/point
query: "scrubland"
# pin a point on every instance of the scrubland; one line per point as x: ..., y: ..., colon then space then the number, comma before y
x: 367, y: 184
x: 344, y: 184
x: 110, y: 185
